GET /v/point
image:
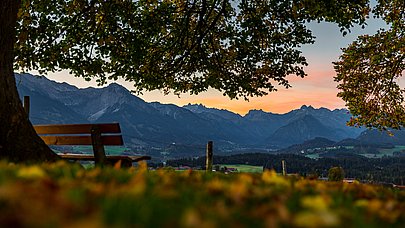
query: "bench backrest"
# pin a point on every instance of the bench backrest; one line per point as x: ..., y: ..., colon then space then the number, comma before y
x: 96, y: 135
x: 80, y: 134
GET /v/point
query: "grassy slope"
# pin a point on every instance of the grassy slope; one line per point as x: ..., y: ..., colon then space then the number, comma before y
x: 110, y: 150
x: 245, y: 168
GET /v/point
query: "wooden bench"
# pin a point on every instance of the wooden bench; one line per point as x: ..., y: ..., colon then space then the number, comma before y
x: 97, y: 135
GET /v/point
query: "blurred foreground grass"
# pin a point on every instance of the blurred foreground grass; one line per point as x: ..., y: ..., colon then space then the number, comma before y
x: 65, y: 195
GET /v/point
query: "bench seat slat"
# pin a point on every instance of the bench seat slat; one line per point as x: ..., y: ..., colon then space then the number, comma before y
x: 76, y: 128
x: 139, y: 158
x: 108, y: 140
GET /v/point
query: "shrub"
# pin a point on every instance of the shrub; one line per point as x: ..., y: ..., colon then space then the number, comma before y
x: 336, y: 174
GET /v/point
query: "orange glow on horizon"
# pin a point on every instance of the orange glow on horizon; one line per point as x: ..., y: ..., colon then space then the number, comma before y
x: 318, y: 90
x: 281, y: 101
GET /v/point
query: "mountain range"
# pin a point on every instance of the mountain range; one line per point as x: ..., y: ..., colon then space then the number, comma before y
x: 159, y: 125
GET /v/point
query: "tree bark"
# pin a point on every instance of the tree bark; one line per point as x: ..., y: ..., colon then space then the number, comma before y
x: 18, y: 139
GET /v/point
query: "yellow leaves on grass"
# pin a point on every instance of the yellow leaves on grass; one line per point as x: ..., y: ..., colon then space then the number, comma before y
x: 31, y: 172
x: 137, y: 197
x: 137, y: 185
x: 388, y: 210
x: 236, y: 190
x: 316, y: 203
x: 271, y: 177
x: 216, y: 186
x: 317, y: 219
x: 318, y: 213
x: 142, y: 167
x: 192, y: 218
x: 241, y: 188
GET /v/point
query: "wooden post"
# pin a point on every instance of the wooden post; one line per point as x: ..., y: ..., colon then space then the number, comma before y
x: 284, y: 168
x: 27, y: 105
x: 208, y: 164
x: 98, y: 147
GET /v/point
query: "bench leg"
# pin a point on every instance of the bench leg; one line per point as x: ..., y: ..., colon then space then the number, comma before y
x: 98, y: 147
x: 125, y: 163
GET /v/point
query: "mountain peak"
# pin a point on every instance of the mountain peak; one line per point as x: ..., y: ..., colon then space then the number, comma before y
x: 196, y: 108
x: 256, y: 112
x: 116, y: 87
x: 305, y: 107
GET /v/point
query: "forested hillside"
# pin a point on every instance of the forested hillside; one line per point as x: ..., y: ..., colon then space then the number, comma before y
x: 387, y: 169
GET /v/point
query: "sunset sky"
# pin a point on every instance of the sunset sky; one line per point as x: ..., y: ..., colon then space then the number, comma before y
x: 317, y: 90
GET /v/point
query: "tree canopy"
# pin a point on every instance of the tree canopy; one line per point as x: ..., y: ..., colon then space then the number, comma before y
x: 336, y: 174
x: 241, y: 48
x: 369, y: 72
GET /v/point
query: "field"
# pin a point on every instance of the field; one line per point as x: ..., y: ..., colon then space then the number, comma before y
x: 381, y: 152
x: 66, y: 195
x: 245, y: 168
x: 389, y: 152
x: 109, y: 150
x: 385, y: 152
x: 312, y: 156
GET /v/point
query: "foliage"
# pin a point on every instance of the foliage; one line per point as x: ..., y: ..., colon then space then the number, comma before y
x: 242, y: 48
x: 336, y: 174
x: 60, y: 194
x: 369, y: 69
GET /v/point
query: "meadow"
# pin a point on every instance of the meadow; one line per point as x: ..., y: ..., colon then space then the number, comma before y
x: 109, y: 150
x: 244, y: 168
x: 66, y: 195
x: 380, y: 152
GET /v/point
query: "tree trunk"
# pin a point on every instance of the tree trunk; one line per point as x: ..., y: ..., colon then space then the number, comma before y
x: 18, y: 139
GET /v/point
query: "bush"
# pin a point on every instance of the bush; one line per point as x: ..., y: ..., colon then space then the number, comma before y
x: 336, y: 174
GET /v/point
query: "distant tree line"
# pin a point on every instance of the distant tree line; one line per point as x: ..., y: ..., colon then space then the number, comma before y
x: 376, y: 170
